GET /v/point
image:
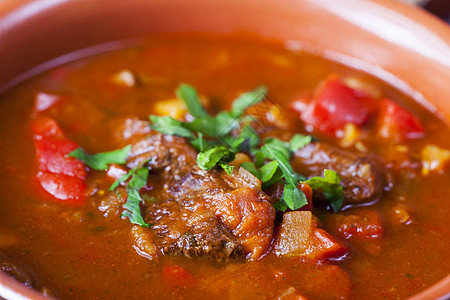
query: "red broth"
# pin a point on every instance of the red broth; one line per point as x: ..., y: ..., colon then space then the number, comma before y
x: 87, y: 251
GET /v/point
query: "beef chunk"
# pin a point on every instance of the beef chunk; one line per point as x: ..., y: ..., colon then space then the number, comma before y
x: 361, y: 177
x: 192, y: 231
x: 246, y: 212
x: 197, y: 212
x: 250, y: 216
x: 162, y: 151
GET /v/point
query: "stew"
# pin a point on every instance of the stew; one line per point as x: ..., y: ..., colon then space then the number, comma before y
x: 204, y: 167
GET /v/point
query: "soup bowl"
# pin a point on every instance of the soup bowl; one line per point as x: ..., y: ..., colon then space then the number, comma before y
x: 398, y: 43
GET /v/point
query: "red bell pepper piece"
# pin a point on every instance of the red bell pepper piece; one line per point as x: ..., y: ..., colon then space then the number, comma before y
x: 60, y: 175
x: 52, y: 158
x: 336, y: 105
x: 177, y: 275
x: 69, y: 189
x: 307, y: 190
x: 397, y: 123
x: 323, y: 246
x: 299, y: 236
x: 45, y: 127
x: 363, y: 223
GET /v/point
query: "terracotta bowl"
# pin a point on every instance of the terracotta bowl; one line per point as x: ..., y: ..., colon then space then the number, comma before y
x: 395, y: 42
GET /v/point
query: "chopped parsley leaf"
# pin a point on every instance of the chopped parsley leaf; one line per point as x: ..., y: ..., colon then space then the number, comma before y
x: 132, y: 208
x: 101, y: 161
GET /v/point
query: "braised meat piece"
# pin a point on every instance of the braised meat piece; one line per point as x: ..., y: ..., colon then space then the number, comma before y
x: 160, y: 150
x: 360, y: 175
x: 192, y: 231
x: 197, y: 212
x: 247, y: 212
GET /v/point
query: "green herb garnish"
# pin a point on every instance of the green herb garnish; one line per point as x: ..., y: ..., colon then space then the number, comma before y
x: 218, y: 155
x: 170, y: 126
x: 292, y: 197
x: 189, y: 95
x: 211, y: 136
x: 138, y: 179
x: 330, y: 185
x: 101, y: 161
x: 132, y: 209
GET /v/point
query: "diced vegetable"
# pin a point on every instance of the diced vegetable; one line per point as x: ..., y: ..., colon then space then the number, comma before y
x: 124, y: 78
x: 174, y: 108
x: 434, y: 159
x: 239, y: 159
x: 247, y: 178
x: 69, y: 189
x: 43, y: 127
x: 307, y: 190
x: 323, y: 246
x: 274, y: 115
x: 336, y: 105
x: 52, y: 158
x: 363, y: 223
x: 177, y: 276
x: 397, y: 123
x: 350, y: 135
x: 295, y: 233
x: 363, y: 85
x: 299, y: 236
x: 249, y: 218
x: 144, y: 242
x: 60, y: 175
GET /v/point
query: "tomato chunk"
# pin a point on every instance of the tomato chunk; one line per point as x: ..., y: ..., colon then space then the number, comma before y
x: 45, y: 127
x: 397, y: 123
x: 299, y: 236
x: 52, y: 157
x: 307, y: 190
x: 323, y: 246
x: 62, y: 187
x: 177, y: 275
x: 336, y: 105
x: 363, y: 223
x: 60, y: 175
